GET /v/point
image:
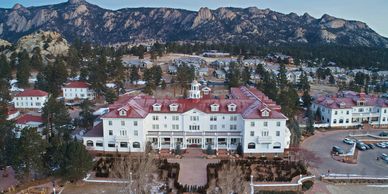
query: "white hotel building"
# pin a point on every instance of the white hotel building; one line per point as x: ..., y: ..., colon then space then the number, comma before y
x: 248, y: 118
x: 350, y: 109
x: 30, y: 99
x: 77, y: 90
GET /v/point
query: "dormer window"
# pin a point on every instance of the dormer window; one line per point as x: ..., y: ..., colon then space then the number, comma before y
x: 157, y: 107
x: 265, y: 112
x: 174, y: 107
x: 232, y: 107
x: 214, y: 107
x: 123, y: 112
x: 342, y: 105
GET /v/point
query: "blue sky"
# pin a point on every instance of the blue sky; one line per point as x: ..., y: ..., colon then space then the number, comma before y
x: 372, y: 12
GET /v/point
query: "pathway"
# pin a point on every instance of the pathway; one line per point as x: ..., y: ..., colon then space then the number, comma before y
x: 193, y: 170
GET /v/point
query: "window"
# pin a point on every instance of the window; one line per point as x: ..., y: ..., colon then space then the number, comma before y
x: 264, y: 133
x: 136, y: 145
x: 334, y: 121
x: 122, y: 123
x: 173, y: 107
x: 265, y: 124
x: 89, y: 143
x: 251, y: 145
x: 385, y: 110
x: 194, y: 118
x: 252, y: 133
x: 277, y: 133
x: 278, y: 123
x: 176, y: 127
x: 109, y: 123
x: 194, y: 127
x: 276, y: 145
x: 347, y: 112
x: 110, y: 132
x: 111, y: 144
x: 123, y: 133
x: 155, y: 118
x: 214, y: 107
x: 233, y: 118
x: 231, y: 107
x: 123, y: 112
x: 134, y: 123
x: 252, y: 124
x: 123, y: 144
x: 341, y: 121
x: 157, y: 107
x: 155, y: 126
x: 335, y: 112
x: 265, y: 113
x: 233, y: 127
x: 213, y: 118
x: 175, y: 118
x: 347, y: 121
x: 99, y: 144
x: 136, y: 133
x: 213, y: 127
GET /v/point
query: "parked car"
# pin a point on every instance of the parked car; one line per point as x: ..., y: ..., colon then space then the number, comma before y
x: 348, y: 141
x: 384, y: 157
x: 371, y: 146
x: 361, y: 146
x: 337, y: 150
x: 380, y: 145
x: 383, y: 134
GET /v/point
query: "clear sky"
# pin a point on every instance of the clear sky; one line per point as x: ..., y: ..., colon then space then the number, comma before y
x: 372, y: 12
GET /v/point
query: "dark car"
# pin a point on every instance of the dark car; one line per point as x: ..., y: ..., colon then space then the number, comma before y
x: 337, y: 150
x: 371, y: 146
x: 383, y: 134
x: 361, y: 146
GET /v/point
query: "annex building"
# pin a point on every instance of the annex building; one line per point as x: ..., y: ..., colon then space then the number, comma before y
x: 246, y: 117
x: 351, y: 109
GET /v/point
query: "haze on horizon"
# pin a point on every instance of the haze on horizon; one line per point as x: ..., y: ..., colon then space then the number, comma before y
x: 374, y: 13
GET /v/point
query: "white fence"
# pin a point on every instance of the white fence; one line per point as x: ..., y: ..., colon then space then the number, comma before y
x: 287, y: 185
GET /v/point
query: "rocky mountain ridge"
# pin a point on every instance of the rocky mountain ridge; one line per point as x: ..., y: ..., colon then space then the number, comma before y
x: 225, y: 24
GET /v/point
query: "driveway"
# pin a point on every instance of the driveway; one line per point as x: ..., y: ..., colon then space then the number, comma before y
x: 316, y: 150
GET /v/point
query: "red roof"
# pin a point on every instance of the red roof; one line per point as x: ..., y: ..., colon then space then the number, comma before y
x: 249, y: 103
x: 96, y: 131
x: 31, y: 92
x: 348, y: 99
x: 76, y: 84
x: 24, y: 119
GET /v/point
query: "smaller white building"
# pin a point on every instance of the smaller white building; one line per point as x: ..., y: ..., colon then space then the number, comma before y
x: 28, y: 120
x: 77, y: 90
x: 30, y: 99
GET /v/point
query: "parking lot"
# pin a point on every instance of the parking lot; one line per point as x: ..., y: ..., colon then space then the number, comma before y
x: 318, y: 147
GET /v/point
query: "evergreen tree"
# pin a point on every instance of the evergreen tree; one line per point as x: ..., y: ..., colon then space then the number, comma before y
x: 310, y: 122
x: 306, y: 99
x: 86, y: 114
x: 23, y: 69
x: 134, y: 74
x: 185, y: 74
x: 56, y: 118
x: 246, y: 75
x: 5, y: 68
x: 36, y: 59
x: 282, y: 77
x: 164, y: 85
x: 76, y: 163
x: 110, y: 96
x: 31, y: 147
x: 331, y: 79
x: 233, y: 75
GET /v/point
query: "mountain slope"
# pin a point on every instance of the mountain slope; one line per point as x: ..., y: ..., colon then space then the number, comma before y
x: 78, y: 17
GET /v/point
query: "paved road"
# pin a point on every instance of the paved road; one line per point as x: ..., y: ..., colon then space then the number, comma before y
x: 318, y: 148
x: 193, y: 170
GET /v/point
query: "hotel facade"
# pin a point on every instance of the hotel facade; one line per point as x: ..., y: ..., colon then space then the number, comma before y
x: 351, y: 109
x: 247, y: 117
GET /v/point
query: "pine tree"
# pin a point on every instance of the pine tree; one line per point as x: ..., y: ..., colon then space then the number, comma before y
x: 164, y: 85
x: 56, y: 117
x: 23, y: 69
x: 5, y: 68
x: 233, y: 75
x: 86, y: 114
x: 36, y: 59
x: 246, y: 75
x: 134, y: 74
x: 282, y: 77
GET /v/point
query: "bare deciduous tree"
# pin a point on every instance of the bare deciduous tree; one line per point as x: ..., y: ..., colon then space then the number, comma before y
x: 138, y: 172
x: 230, y: 179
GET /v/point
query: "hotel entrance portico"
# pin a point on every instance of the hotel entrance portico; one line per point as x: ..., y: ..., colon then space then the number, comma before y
x: 194, y: 142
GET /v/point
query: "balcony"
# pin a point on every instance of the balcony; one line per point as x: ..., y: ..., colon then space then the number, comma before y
x: 264, y: 139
